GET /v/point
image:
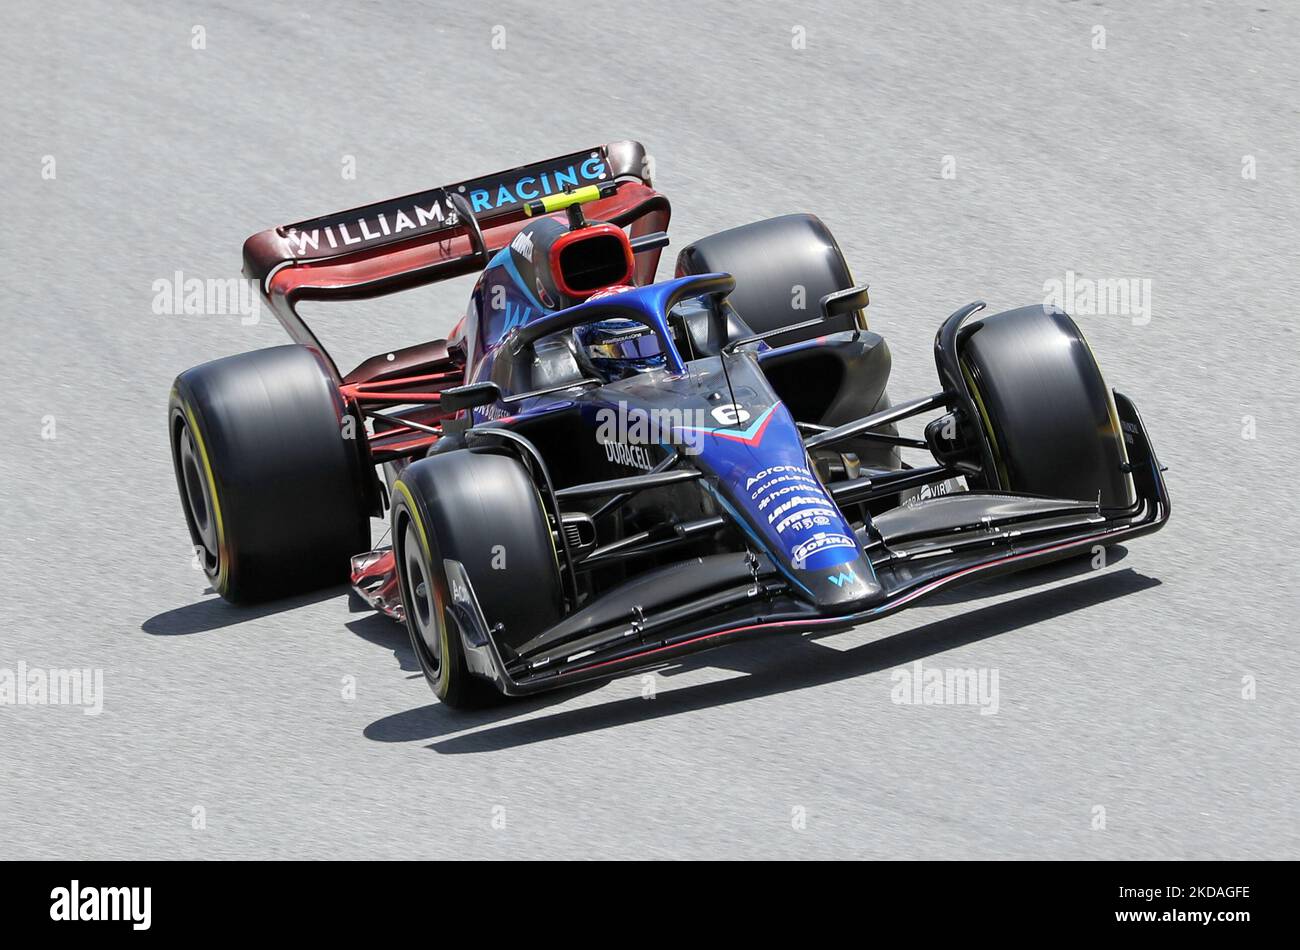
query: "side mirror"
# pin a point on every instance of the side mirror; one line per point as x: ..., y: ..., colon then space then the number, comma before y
x: 469, y: 397
x: 839, y: 312
x: 844, y: 302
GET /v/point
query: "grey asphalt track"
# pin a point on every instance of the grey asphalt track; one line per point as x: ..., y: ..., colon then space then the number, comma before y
x: 1126, y: 689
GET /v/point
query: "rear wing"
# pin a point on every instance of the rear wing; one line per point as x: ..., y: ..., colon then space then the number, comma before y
x: 421, y: 238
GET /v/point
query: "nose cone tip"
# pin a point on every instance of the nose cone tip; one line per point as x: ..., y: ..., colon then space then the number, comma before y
x: 849, y: 585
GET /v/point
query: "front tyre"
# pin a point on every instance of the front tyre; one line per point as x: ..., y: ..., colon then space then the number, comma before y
x: 478, y: 508
x: 1045, y: 409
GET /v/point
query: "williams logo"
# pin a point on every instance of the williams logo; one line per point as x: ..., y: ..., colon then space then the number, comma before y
x: 843, y: 577
x: 432, y: 211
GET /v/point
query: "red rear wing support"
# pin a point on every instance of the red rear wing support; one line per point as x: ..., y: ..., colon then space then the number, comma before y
x: 418, y: 239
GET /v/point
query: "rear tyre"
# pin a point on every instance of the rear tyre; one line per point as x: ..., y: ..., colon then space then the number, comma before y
x: 1048, y: 415
x: 271, y: 485
x: 769, y: 259
x: 479, y: 508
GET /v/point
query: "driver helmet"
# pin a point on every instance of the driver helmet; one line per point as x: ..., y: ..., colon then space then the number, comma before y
x: 617, y: 348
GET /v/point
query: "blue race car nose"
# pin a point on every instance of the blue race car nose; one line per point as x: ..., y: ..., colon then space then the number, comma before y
x: 762, y: 475
x: 847, y: 587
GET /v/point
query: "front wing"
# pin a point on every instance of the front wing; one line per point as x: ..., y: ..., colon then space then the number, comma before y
x: 1009, y: 533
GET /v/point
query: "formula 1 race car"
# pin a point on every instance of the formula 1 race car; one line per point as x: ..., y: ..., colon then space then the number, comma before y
x: 597, y: 472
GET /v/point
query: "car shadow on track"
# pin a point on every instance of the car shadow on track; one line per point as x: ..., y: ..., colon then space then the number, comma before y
x: 204, y: 616
x: 435, y: 720
x: 390, y: 634
x: 782, y: 663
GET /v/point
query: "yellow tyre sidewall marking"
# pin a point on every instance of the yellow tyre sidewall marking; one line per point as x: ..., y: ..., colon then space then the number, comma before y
x: 444, y: 669
x: 223, y: 559
x: 988, y: 426
x: 555, y: 552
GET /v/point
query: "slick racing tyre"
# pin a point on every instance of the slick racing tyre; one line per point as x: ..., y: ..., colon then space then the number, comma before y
x: 478, y: 508
x: 769, y: 260
x: 270, y: 473
x: 1045, y: 409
